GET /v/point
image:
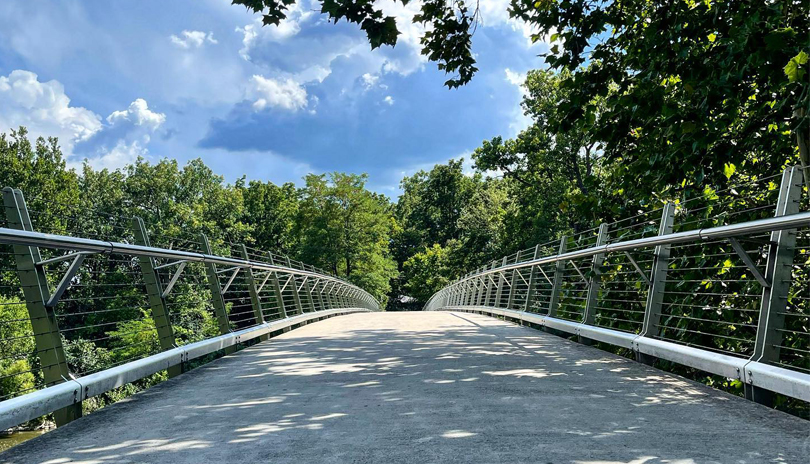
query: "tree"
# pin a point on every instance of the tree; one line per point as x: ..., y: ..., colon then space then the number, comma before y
x: 270, y: 211
x: 17, y: 346
x: 428, y: 271
x: 689, y: 87
x: 481, y: 225
x: 556, y: 168
x: 182, y: 203
x: 430, y: 206
x: 41, y: 173
x: 428, y: 211
x: 346, y: 229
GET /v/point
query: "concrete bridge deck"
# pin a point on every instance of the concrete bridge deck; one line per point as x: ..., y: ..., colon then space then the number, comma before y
x: 424, y: 387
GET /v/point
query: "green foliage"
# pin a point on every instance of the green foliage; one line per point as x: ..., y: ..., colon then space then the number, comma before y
x: 17, y: 348
x: 346, y: 229
x: 135, y: 339
x: 84, y: 357
x: 38, y: 168
x: 688, y: 87
x: 427, y: 214
x: 175, y: 201
x: 194, y: 320
x: 557, y: 168
x: 271, y: 212
x: 449, y: 41
x: 482, y: 224
x: 428, y: 271
x: 794, y: 70
x: 430, y: 206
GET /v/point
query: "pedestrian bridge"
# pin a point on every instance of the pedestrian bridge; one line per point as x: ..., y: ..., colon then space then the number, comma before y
x: 577, y: 350
x: 424, y: 387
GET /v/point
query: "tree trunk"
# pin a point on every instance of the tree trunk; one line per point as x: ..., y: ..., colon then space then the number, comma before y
x: 578, y: 174
x: 803, y: 140
x: 588, y: 164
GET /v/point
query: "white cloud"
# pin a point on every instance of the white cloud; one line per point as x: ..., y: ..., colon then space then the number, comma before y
x: 249, y: 35
x: 123, y: 154
x: 309, y: 57
x: 44, y: 108
x: 410, y: 36
x: 254, y: 32
x: 138, y: 114
x: 193, y: 39
x: 516, y: 79
x: 519, y: 120
x: 389, y: 100
x: 277, y: 93
x: 123, y: 139
x: 496, y: 12
x: 370, y: 80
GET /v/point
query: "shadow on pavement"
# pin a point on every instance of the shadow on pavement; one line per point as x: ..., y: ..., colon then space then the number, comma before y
x: 424, y: 387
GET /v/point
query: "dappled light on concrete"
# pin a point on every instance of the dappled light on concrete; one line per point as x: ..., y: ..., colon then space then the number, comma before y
x: 458, y: 434
x: 424, y: 387
x: 642, y: 460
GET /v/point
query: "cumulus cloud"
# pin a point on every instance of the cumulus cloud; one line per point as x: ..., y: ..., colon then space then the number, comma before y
x: 515, y: 78
x: 496, y: 12
x: 369, y: 80
x: 389, y: 100
x: 305, y: 47
x: 138, y: 114
x: 122, y: 154
x: 309, y: 57
x: 44, y: 108
x: 407, y: 56
x: 255, y: 32
x: 192, y: 39
x: 276, y: 93
x: 124, y: 138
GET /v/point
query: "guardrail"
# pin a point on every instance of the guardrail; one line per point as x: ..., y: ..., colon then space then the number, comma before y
x: 82, y: 316
x: 693, y: 288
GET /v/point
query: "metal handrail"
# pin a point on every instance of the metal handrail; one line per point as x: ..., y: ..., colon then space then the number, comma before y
x: 761, y: 370
x: 793, y: 221
x: 70, y: 392
x: 64, y: 242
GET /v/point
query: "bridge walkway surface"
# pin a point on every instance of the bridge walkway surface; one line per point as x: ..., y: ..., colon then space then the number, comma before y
x: 424, y: 387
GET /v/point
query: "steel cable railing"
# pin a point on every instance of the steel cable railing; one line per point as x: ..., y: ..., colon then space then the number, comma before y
x: 90, y: 298
x: 720, y: 283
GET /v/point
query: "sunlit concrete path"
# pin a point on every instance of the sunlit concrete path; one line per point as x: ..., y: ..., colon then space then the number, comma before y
x: 424, y: 387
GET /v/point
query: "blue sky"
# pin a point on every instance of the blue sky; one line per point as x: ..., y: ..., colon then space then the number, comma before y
x: 188, y: 79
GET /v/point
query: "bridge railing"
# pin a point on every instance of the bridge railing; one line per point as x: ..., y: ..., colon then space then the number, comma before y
x: 720, y: 283
x: 91, y: 301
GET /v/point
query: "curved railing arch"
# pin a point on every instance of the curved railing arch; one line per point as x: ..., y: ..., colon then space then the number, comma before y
x: 731, y: 299
x: 252, y: 296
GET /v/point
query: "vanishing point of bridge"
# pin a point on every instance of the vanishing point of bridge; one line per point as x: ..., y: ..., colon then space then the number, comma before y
x: 546, y: 355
